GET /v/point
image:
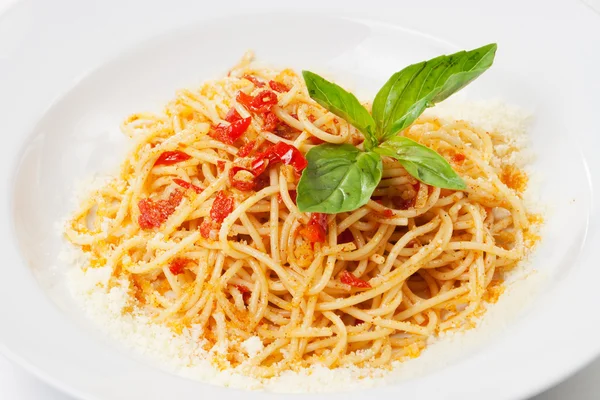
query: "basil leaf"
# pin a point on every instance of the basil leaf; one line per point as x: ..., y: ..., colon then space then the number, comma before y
x: 342, y: 103
x: 409, y: 92
x: 421, y: 162
x: 338, y: 178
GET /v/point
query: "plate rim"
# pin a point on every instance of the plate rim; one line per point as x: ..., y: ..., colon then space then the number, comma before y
x: 48, y: 377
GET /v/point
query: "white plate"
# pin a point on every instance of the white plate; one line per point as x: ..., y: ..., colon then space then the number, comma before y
x: 70, y: 71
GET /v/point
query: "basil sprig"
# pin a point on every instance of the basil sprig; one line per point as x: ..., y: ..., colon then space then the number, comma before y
x: 342, y: 103
x: 421, y: 162
x: 342, y: 178
x: 409, y: 92
x: 338, y: 178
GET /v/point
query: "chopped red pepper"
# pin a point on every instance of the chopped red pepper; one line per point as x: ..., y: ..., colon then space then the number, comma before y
x: 285, y: 131
x: 232, y: 132
x: 232, y: 115
x: 278, y: 86
x: 413, y: 243
x: 345, y: 237
x: 187, y: 185
x: 222, y: 206
x: 242, y: 288
x: 459, y: 158
x: 262, y: 181
x: 172, y: 157
x: 257, y: 82
x: 244, y: 99
x: 206, y: 227
x: 293, y: 195
x: 246, y: 149
x: 316, y: 229
x: 271, y: 121
x: 264, y: 101
x: 154, y: 213
x: 280, y: 152
x: 260, y: 103
x: 349, y: 279
x: 246, y: 293
x: 387, y: 213
x: 283, y: 152
x: 260, y: 164
x: 289, y: 155
x: 316, y: 140
x: 405, y: 204
x: 243, y: 181
x: 177, y: 265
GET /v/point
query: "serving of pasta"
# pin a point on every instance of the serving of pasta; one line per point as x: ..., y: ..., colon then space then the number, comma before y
x: 204, y: 221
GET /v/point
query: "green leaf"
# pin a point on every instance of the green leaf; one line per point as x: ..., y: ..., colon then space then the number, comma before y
x: 342, y: 103
x: 338, y: 178
x: 421, y: 162
x: 409, y: 92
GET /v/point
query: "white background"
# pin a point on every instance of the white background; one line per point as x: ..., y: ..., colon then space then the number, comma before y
x: 16, y: 383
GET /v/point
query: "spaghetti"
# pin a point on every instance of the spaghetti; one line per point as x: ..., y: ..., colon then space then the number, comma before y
x: 202, y: 222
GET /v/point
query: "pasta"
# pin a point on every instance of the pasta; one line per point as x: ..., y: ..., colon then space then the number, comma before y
x: 206, y: 241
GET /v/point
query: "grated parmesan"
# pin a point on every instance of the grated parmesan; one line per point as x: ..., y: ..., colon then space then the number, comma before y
x: 184, y: 353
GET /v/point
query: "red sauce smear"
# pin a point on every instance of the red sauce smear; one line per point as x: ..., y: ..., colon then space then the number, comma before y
x: 172, y: 157
x: 349, y: 279
x: 178, y: 264
x: 187, y: 185
x: 278, y: 86
x: 154, y: 213
x: 316, y: 229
